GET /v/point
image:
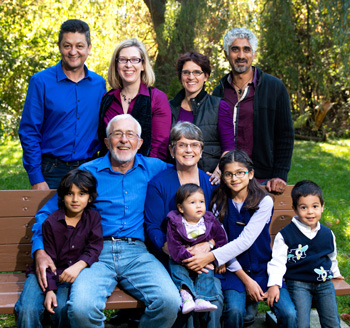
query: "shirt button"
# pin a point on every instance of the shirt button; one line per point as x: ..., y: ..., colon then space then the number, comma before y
x: 126, y: 207
x: 77, y: 135
x: 126, y: 192
x: 78, y: 100
x: 72, y: 246
x: 70, y: 261
x: 78, y: 118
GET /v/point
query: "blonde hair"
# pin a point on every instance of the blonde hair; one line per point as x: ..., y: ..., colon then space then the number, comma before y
x: 147, y: 76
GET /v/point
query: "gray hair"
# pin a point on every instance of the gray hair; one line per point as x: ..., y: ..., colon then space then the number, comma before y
x: 187, y: 130
x: 124, y: 117
x: 240, y: 33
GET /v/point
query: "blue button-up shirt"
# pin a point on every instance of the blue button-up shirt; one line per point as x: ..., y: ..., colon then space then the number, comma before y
x: 60, y: 118
x: 120, y: 200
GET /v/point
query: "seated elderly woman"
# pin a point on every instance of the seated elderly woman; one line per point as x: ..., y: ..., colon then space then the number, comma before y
x: 193, y: 104
x: 186, y: 147
x: 131, y: 76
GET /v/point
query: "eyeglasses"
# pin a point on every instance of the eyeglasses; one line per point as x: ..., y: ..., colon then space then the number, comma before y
x: 193, y: 145
x: 130, y: 135
x: 134, y: 60
x: 195, y: 73
x: 239, y: 174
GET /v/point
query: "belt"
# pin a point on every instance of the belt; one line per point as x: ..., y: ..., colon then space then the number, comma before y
x: 67, y: 163
x: 128, y: 239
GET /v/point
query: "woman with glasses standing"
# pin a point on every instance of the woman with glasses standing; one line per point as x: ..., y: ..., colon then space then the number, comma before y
x: 193, y: 104
x: 130, y: 75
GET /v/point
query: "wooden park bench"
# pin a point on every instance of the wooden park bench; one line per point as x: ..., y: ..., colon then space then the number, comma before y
x: 17, y: 210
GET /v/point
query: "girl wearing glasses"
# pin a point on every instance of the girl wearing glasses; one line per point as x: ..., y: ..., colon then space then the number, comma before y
x: 193, y: 104
x: 131, y: 77
x: 245, y: 211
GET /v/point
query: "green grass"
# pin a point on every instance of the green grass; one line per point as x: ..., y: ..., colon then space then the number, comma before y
x: 328, y: 164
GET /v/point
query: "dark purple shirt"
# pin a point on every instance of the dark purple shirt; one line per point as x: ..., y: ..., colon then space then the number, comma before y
x: 67, y: 245
x: 161, y: 118
x: 185, y: 115
x: 244, y: 110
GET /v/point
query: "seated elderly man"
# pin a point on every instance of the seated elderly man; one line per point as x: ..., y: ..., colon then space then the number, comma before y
x: 122, y: 178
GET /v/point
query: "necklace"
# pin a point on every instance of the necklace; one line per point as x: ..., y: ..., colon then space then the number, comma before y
x: 125, y: 98
x: 241, y: 88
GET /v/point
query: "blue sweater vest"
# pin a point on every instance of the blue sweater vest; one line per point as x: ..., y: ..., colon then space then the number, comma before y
x: 254, y: 260
x: 308, y: 259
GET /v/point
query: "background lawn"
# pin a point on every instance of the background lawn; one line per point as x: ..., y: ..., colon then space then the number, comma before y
x: 328, y: 164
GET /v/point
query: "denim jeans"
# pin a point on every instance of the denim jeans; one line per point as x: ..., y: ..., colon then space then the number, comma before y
x: 138, y: 272
x: 30, y: 308
x: 321, y: 295
x: 206, y: 319
x: 235, y: 303
x: 203, y: 285
x: 54, y: 169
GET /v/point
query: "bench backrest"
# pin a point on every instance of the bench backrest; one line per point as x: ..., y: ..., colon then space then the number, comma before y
x: 17, y: 210
x: 18, y: 207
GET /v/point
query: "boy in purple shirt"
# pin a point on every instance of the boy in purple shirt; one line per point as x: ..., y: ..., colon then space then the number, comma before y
x: 72, y: 236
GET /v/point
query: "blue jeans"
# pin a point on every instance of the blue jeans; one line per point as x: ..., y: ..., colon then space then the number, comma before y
x: 235, y: 303
x: 30, y: 306
x: 54, y: 169
x: 203, y: 285
x: 138, y: 272
x: 321, y: 295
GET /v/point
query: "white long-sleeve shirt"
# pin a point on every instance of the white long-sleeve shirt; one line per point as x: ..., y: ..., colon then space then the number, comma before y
x: 276, y: 268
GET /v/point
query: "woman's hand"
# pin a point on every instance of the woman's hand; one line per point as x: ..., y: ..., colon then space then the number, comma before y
x: 199, y: 261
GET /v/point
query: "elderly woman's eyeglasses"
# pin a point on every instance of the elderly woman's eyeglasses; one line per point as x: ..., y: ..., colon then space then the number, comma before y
x: 195, y: 73
x: 134, y: 60
x: 239, y: 174
x: 193, y: 145
x: 130, y: 135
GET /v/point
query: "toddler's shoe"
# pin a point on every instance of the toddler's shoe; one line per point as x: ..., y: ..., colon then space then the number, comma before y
x: 188, y: 306
x: 204, y: 306
x: 187, y: 302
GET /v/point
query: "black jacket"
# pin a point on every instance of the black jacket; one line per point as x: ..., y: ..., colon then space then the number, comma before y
x: 272, y: 127
x: 205, y: 116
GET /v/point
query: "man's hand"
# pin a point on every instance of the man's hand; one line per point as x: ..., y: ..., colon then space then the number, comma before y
x: 50, y: 301
x: 276, y: 185
x: 42, y: 262
x: 70, y: 274
x: 40, y: 186
x: 273, y: 295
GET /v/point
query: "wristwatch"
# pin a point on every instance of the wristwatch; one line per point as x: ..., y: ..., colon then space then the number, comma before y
x: 211, y: 245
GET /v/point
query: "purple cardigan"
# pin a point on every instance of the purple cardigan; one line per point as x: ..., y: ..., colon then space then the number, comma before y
x: 178, y: 241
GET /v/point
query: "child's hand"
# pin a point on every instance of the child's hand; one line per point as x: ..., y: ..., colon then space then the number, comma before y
x: 221, y: 269
x: 70, y: 274
x: 50, y: 301
x: 273, y: 295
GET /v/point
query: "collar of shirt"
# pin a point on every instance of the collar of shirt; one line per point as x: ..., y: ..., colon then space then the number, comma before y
x: 254, y: 82
x: 62, y: 76
x: 305, y: 229
x: 105, y: 163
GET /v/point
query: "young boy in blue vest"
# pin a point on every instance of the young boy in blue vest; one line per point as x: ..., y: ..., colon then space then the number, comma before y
x: 305, y: 254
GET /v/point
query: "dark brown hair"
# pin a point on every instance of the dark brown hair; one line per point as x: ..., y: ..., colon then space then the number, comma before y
x: 186, y: 191
x: 222, y: 194
x: 196, y: 57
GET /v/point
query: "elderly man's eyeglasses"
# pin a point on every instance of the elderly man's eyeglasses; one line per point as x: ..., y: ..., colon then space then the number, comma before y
x: 195, y: 73
x: 134, y: 60
x: 193, y: 145
x: 130, y: 135
x: 239, y: 174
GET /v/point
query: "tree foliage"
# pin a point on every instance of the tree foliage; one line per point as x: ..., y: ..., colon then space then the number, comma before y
x: 303, y: 42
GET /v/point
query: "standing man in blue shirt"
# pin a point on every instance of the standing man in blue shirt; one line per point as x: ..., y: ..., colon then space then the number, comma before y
x: 58, y: 129
x: 122, y: 177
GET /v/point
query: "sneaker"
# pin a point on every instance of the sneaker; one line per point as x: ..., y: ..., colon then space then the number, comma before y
x: 204, y: 306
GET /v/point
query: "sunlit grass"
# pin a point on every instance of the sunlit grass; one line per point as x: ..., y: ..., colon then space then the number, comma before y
x: 326, y: 163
